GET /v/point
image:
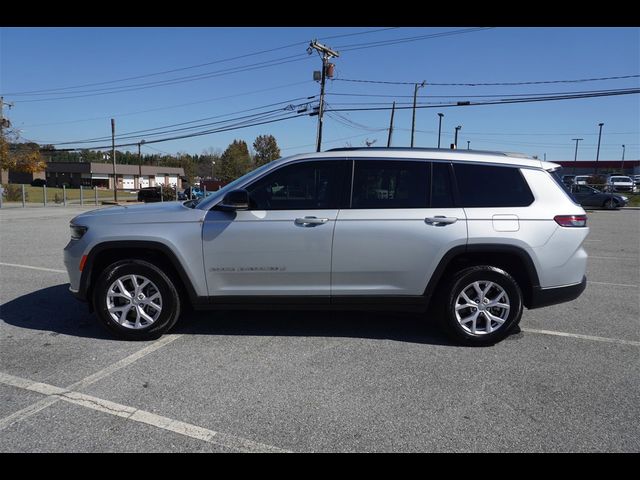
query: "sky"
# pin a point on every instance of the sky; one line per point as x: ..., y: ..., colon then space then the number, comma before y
x: 65, y: 84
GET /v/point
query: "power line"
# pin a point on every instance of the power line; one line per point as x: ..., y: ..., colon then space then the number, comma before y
x: 501, y: 102
x: 375, y: 95
x: 195, y: 134
x: 197, y: 102
x: 190, y: 78
x: 384, y: 43
x: 479, y: 84
x: 239, y: 69
x: 164, y: 72
x: 138, y: 133
x: 241, y: 120
x: 327, y: 141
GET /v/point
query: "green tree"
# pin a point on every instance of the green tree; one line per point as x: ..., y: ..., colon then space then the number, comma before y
x: 205, y: 166
x: 234, y: 162
x: 188, y: 165
x: 266, y: 149
x: 6, y: 161
x: 26, y: 157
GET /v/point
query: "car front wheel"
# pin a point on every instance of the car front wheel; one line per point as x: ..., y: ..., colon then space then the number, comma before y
x: 611, y: 204
x: 136, y: 300
x: 483, y: 305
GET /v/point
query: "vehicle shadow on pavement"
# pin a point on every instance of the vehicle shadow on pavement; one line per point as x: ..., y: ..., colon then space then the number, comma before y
x: 53, y: 309
x: 397, y: 326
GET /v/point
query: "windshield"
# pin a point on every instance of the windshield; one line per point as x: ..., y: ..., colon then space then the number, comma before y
x: 205, y: 202
x: 620, y: 179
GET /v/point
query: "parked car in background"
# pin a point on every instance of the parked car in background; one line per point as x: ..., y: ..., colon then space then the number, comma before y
x: 581, y: 179
x: 592, y: 197
x: 620, y: 183
x: 568, y: 180
x: 149, y: 194
x: 636, y: 181
x: 191, y: 193
x: 38, y: 182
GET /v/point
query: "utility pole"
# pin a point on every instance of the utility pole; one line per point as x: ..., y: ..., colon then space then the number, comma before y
x: 140, y: 163
x: 413, y: 121
x: 393, y: 110
x: 4, y: 122
x: 440, y: 127
x: 622, y: 166
x: 575, y: 158
x: 468, y: 144
x: 113, y: 158
x: 326, y: 53
x: 598, y: 151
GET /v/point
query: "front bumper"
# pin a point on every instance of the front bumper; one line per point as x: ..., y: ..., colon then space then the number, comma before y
x: 543, y: 297
x: 72, y: 256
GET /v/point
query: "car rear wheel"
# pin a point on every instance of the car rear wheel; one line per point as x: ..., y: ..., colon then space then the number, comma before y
x: 483, y: 304
x: 610, y: 204
x: 136, y: 300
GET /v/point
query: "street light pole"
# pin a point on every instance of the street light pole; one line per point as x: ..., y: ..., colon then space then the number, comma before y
x: 413, y: 121
x: 468, y: 144
x: 575, y: 158
x: 439, y: 127
x: 598, y: 151
x: 455, y: 142
x: 622, y: 165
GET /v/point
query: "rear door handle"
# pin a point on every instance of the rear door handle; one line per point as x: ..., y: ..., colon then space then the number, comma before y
x: 440, y: 220
x: 311, y: 221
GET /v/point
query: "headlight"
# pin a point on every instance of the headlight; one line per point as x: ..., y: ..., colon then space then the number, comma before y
x: 624, y: 198
x: 77, y: 231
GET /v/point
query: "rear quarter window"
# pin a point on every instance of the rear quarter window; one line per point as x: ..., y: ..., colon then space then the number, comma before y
x: 563, y: 186
x: 492, y: 186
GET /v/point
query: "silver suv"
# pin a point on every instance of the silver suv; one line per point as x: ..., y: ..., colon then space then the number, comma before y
x: 477, y: 236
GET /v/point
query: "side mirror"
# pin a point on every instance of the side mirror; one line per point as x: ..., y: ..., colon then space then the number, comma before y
x: 235, y: 200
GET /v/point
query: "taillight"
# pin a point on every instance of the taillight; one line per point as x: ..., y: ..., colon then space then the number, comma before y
x: 571, y: 220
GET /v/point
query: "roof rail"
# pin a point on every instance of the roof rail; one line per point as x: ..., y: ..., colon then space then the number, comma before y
x: 422, y: 149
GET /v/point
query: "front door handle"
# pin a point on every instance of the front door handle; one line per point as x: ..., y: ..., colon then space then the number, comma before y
x: 311, y: 221
x: 440, y: 220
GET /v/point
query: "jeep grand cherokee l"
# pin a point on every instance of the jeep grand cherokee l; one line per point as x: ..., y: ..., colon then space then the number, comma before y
x: 477, y: 236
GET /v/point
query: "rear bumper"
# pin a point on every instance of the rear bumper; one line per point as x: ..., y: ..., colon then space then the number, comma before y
x: 543, y: 297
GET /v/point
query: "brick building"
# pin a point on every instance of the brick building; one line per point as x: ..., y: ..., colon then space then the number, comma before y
x: 128, y: 177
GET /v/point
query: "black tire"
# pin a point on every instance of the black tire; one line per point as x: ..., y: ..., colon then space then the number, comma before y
x: 610, y: 204
x: 462, y: 280
x: 165, y: 286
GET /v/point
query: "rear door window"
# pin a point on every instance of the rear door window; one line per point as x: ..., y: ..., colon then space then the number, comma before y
x: 441, y: 186
x: 390, y: 184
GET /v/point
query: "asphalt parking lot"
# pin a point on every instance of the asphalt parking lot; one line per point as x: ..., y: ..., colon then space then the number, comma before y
x: 315, y: 382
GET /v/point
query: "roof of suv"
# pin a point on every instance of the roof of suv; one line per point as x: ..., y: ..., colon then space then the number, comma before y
x: 505, y: 158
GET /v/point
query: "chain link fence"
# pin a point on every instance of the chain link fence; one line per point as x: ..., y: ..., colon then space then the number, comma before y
x: 25, y: 195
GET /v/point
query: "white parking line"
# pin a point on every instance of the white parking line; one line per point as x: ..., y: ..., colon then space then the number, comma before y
x: 231, y: 442
x: 85, y: 382
x: 614, y: 284
x: 32, y: 268
x: 582, y: 337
